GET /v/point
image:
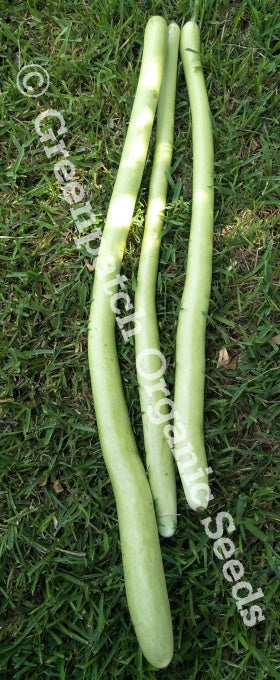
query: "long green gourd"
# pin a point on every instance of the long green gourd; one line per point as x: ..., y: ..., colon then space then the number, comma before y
x: 190, y: 341
x: 152, y: 388
x: 142, y: 562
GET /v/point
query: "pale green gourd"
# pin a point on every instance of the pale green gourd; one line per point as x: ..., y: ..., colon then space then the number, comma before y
x: 159, y: 458
x: 190, y: 341
x: 142, y: 562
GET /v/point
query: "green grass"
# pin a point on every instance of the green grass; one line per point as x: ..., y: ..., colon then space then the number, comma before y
x: 63, y: 610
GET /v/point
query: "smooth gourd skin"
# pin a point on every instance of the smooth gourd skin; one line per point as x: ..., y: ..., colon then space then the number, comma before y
x: 142, y: 562
x: 190, y: 341
x: 159, y: 459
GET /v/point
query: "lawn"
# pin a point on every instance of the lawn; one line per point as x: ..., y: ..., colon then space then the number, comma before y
x: 63, y: 611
